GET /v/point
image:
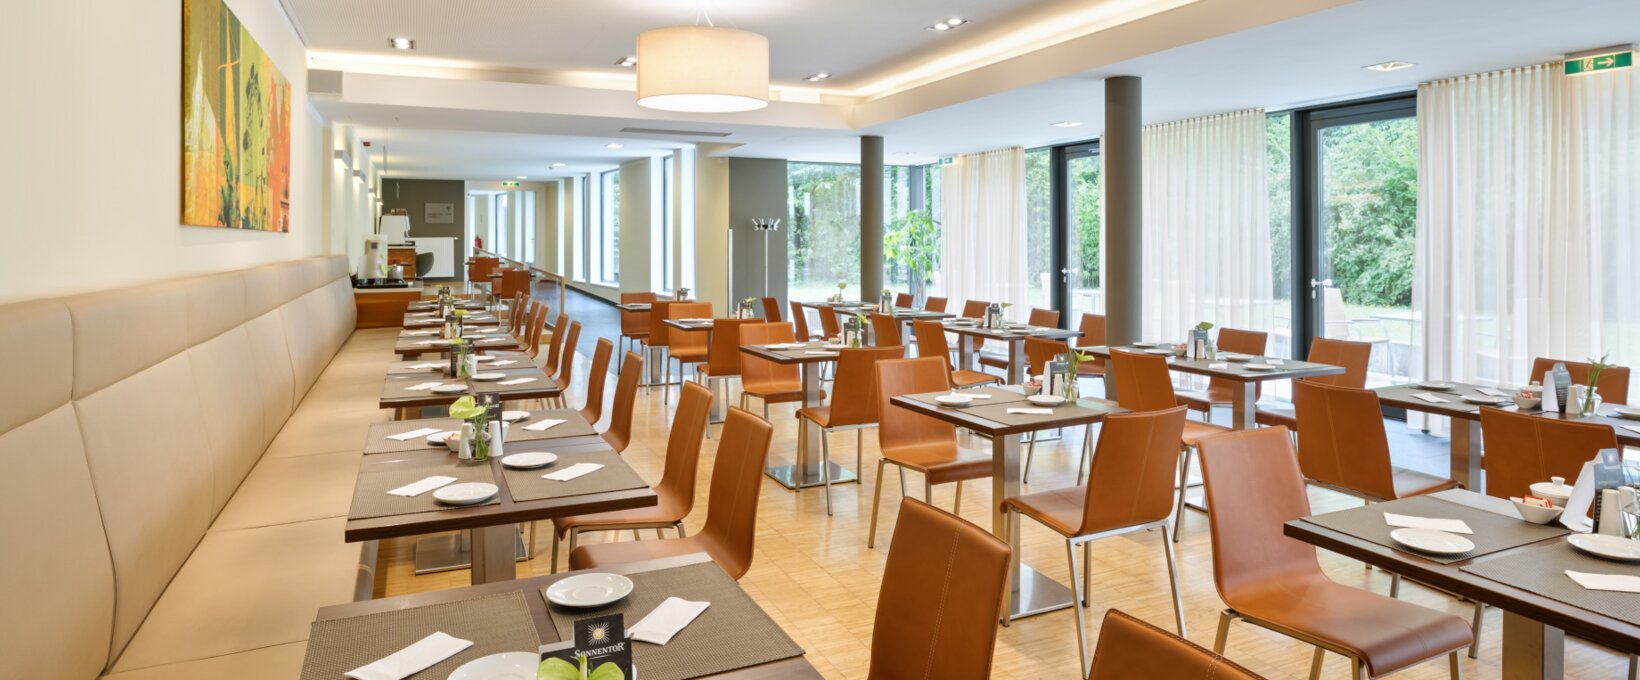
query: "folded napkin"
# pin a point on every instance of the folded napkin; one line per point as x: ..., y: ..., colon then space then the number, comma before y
x: 1451, y: 526
x: 821, y: 353
x: 544, y: 425
x: 1030, y: 411
x: 1224, y: 366
x: 422, y: 387
x: 1618, y: 583
x: 407, y: 436
x: 1490, y: 392
x: 419, y: 332
x: 1632, y: 428
x: 503, y: 362
x: 979, y: 395
x: 423, y: 486
x: 573, y: 471
x: 1429, y: 398
x: 516, y: 381
x: 411, y: 660
x: 672, y: 616
x: 492, y: 341
x: 426, y: 366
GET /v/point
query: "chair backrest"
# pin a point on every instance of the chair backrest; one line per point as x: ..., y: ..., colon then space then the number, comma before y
x: 619, y: 434
x: 556, y: 343
x: 1134, y: 468
x: 1253, y: 471
x: 898, y: 427
x: 1522, y: 450
x: 771, y: 309
x: 1240, y: 342
x: 1092, y: 330
x: 931, y: 341
x: 854, y: 400
x: 515, y: 313
x: 1352, y: 355
x: 934, y: 304
x: 658, y: 314
x: 537, y: 324
x: 737, y: 476
x: 689, y: 342
x: 1341, y: 440
x: 635, y: 323
x: 593, y: 411
x: 516, y: 280
x: 1130, y: 648
x: 904, y: 300
x: 941, y: 595
x: 1038, y: 352
x: 724, y: 356
x: 830, y: 325
x: 801, y: 320
x: 1142, y: 381
x: 683, y: 447
x: 755, y: 371
x: 1045, y: 318
x: 1613, y: 385
x: 886, y: 330
x: 566, y: 354
x: 972, y: 309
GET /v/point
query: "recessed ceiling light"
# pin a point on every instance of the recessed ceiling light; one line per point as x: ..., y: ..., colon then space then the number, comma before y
x: 402, y: 43
x: 818, y: 77
x: 614, y: 145
x: 949, y: 24
x: 941, y: 26
x: 522, y: 177
x: 627, y: 61
x: 1389, y: 66
x: 1067, y: 123
x: 956, y: 21
x: 559, y: 165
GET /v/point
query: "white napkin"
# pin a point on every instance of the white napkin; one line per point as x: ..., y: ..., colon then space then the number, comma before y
x: 407, y: 436
x: 1619, y: 583
x: 516, y: 381
x: 493, y: 340
x: 1490, y: 392
x: 819, y: 353
x: 423, y: 486
x: 978, y: 395
x: 1213, y: 366
x: 1429, y: 398
x: 411, y: 660
x: 1451, y: 526
x: 672, y: 616
x: 573, y: 471
x: 426, y: 366
x: 419, y: 332
x: 544, y: 425
x: 503, y: 362
x: 1030, y: 411
x: 422, y: 387
x: 429, y: 343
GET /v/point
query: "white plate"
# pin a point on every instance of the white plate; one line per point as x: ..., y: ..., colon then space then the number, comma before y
x: 1439, y: 385
x: 504, y: 666
x: 1144, y: 344
x: 488, y: 377
x: 438, y: 438
x: 1045, y: 399
x: 530, y: 460
x: 1432, y: 541
x: 1159, y: 351
x: 954, y: 399
x: 450, y: 389
x: 515, y: 416
x: 1606, y: 547
x: 486, y: 358
x: 1486, y: 399
x: 834, y: 346
x: 1625, y: 412
x: 589, y: 590
x: 1238, y: 358
x: 467, y: 493
x: 1256, y: 366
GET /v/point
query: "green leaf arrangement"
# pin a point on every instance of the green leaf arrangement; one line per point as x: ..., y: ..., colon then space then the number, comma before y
x: 1204, y: 326
x: 842, y: 285
x: 1596, y: 367
x: 559, y: 669
x: 465, y: 408
x: 461, y: 312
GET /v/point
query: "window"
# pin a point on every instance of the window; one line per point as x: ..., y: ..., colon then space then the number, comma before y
x: 911, y: 230
x: 577, y: 228
x: 1039, y: 227
x: 527, y: 213
x: 824, y: 238
x: 609, y: 229
x: 668, y: 238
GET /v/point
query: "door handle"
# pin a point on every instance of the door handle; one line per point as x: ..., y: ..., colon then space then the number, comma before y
x: 1321, y: 283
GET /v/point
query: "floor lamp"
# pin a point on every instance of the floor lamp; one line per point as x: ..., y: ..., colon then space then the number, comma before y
x: 766, y: 225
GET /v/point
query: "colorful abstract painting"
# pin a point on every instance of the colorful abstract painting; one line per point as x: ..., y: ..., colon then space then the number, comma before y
x: 235, y: 125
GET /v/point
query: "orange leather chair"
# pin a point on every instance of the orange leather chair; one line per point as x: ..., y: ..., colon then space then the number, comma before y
x: 1144, y: 384
x: 481, y: 268
x: 974, y: 309
x: 904, y: 301
x: 1038, y: 353
x: 934, y: 304
x: 885, y: 330
x: 830, y: 325
x: 619, y: 434
x: 1041, y: 318
x: 801, y: 319
x: 674, y: 495
x: 1351, y: 355
x: 770, y: 382
x: 1613, y: 385
x: 515, y: 315
x: 1275, y: 582
x: 1092, y: 330
x: 731, y: 507
x: 853, y: 404
x: 518, y: 280
x: 1131, y: 489
x: 1342, y: 445
x: 1522, y: 450
x: 1130, y: 648
x: 660, y: 335
x: 566, y: 353
x: 912, y: 441
x: 931, y: 344
x: 686, y: 347
x: 723, y: 358
x: 555, y: 344
x: 1218, y: 389
x: 943, y: 586
x: 593, y: 410
x: 635, y: 325
x: 771, y: 309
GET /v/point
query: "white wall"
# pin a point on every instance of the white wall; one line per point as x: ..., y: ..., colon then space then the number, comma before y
x: 91, y: 132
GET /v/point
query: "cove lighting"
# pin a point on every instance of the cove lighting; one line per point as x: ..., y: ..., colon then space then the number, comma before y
x: 1389, y: 66
x: 559, y: 165
x: 1067, y: 123
x: 523, y: 177
x: 401, y: 43
x: 818, y: 77
x: 614, y: 145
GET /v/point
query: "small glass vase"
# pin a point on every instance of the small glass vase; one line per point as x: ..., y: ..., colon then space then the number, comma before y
x: 478, y: 435
x: 1072, y: 390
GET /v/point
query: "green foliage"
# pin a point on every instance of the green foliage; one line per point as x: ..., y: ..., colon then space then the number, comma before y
x: 1279, y: 171
x: 824, y: 236
x: 914, y: 241
x: 1370, y: 176
x: 557, y: 669
x: 466, y: 408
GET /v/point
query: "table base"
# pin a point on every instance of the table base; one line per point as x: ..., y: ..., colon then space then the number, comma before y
x: 811, y: 475
x: 451, y: 552
x: 1033, y: 593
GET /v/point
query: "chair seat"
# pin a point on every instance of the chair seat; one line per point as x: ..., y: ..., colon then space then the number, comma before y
x: 1415, y: 483
x: 625, y: 552
x: 777, y: 393
x: 1059, y: 509
x: 1095, y: 368
x: 691, y: 355
x: 1195, y: 431
x: 1276, y: 418
x: 666, y: 511
x: 994, y: 360
x: 641, y: 335
x: 971, y: 378
x: 1387, y: 634
x: 942, y: 462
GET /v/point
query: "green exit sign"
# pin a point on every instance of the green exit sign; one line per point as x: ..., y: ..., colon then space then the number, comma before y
x: 509, y: 183
x: 947, y: 160
x: 1599, y: 62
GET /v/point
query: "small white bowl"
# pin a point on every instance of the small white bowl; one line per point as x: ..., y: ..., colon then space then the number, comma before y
x: 1045, y: 399
x: 1555, y: 491
x: 1527, y: 403
x: 954, y: 399
x: 488, y: 377
x: 1535, y: 514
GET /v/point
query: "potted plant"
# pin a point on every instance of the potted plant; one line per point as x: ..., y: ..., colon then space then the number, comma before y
x: 841, y: 286
x: 914, y: 241
x: 1073, y: 367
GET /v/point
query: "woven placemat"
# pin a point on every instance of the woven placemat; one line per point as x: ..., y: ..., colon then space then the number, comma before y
x: 998, y: 413
x: 998, y: 396
x: 495, y: 624
x: 527, y: 485
x: 370, y: 497
x: 541, y: 384
x: 731, y: 634
x: 398, y: 387
x: 377, y: 441
x: 1543, y: 571
x: 1493, y: 532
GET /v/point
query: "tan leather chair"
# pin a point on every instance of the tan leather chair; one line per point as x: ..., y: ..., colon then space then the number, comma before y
x: 801, y: 319
x: 1613, y: 385
x: 1041, y: 318
x: 770, y: 382
x: 1350, y: 354
x: 686, y: 347
x: 931, y: 344
x: 885, y: 330
x: 1092, y: 330
x: 1038, y: 353
x: 1342, y: 445
x: 593, y: 410
x: 537, y: 327
x: 515, y: 315
x: 1522, y: 450
x: 1219, y: 390
x: 934, y: 304
x: 674, y: 495
x: 912, y: 441
x: 660, y: 334
x: 943, y: 586
x: 1275, y: 582
x: 1130, y: 648
x: 974, y: 309
x: 731, y: 507
x: 566, y: 361
x: 723, y: 359
x: 831, y: 326
x: 1131, y: 489
x: 1144, y: 384
x: 853, y: 404
x: 634, y: 325
x: 516, y: 280
x: 555, y: 344
x: 904, y: 301
x: 619, y: 434
x: 771, y: 309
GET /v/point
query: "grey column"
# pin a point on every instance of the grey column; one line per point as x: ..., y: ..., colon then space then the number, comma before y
x: 871, y: 217
x: 1123, y: 147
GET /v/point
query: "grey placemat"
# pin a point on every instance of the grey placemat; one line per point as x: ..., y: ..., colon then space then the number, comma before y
x: 370, y: 497
x: 998, y: 396
x: 495, y: 624
x: 527, y: 485
x: 998, y: 413
x: 1543, y: 571
x: 398, y: 387
x: 573, y: 426
x: 732, y: 633
x: 541, y: 383
x: 1493, y: 532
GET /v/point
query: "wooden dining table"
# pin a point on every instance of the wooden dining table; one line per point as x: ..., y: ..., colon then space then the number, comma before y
x: 806, y: 471
x: 1244, y: 397
x: 397, y: 395
x: 971, y: 335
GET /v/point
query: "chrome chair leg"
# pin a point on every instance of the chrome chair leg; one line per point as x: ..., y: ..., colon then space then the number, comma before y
x: 1223, y: 636
x: 1184, y: 490
x: 825, y: 466
x: 1173, y: 579
x: 877, y: 502
x: 1077, y: 603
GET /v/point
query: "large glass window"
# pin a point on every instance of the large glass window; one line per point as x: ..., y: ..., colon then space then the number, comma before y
x: 1039, y: 226
x: 824, y: 234
x: 1082, y: 242
x: 1278, y: 165
x: 609, y: 229
x: 911, y: 230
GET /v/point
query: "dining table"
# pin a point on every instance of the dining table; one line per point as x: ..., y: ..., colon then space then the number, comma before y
x: 411, y: 385
x: 971, y: 334
x: 719, y: 410
x: 482, y: 339
x: 811, y: 357
x: 1245, y: 371
x: 1515, y: 566
x: 994, y: 413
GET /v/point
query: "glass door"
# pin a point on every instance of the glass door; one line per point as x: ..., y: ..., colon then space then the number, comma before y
x: 1083, y: 293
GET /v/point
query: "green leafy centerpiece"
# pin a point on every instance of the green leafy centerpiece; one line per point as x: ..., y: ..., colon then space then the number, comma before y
x: 475, y: 429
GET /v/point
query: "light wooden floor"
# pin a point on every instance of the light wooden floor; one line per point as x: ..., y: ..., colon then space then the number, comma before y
x: 816, y: 577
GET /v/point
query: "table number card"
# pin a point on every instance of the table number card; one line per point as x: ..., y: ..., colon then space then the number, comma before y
x: 601, y: 651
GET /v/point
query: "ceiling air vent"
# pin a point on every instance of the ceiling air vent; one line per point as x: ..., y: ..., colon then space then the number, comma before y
x: 674, y: 133
x: 324, y: 82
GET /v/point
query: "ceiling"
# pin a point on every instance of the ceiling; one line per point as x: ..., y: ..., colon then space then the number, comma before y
x: 1312, y: 58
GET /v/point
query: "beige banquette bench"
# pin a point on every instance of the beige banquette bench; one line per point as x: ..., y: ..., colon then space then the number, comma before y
x: 179, y: 458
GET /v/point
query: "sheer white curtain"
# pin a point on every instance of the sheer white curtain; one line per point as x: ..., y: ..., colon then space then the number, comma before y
x: 983, y: 224
x: 1527, y: 212
x: 1207, y: 225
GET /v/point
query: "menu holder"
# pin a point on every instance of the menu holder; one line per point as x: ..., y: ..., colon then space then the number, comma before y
x: 600, y: 650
